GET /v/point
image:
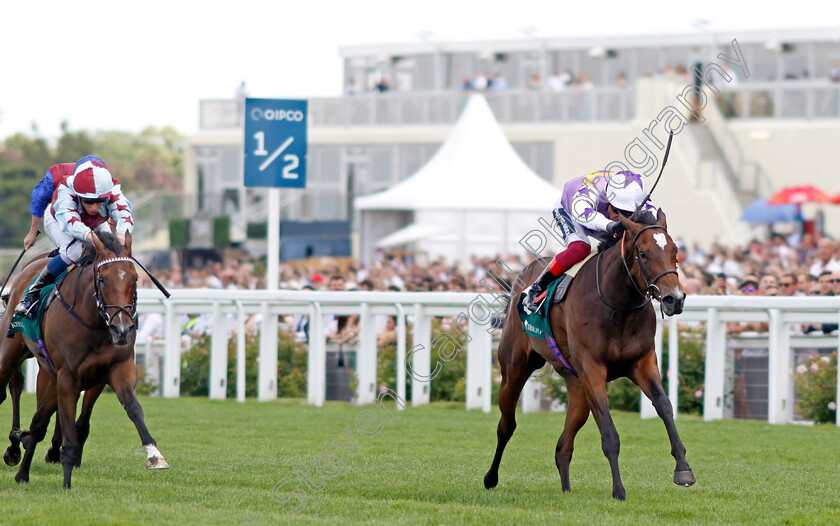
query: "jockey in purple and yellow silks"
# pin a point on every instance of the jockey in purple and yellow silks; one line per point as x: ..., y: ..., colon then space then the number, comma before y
x: 583, y: 211
x: 80, y: 201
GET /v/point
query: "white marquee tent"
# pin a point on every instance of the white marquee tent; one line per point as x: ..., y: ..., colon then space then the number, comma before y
x: 475, y: 196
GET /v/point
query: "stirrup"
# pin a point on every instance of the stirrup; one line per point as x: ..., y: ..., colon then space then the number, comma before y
x: 26, y: 311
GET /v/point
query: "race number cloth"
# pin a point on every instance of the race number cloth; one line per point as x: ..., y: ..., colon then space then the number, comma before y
x: 538, y: 323
x: 31, y: 327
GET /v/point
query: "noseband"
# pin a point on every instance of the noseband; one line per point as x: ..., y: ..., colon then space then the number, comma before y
x: 651, y: 291
x: 130, y: 310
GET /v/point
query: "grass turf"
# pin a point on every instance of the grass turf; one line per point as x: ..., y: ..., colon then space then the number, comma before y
x: 425, y: 466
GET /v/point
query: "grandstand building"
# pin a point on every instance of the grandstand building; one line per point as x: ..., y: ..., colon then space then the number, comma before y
x: 767, y: 116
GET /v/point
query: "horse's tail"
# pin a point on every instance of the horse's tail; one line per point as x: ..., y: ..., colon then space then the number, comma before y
x: 497, y: 321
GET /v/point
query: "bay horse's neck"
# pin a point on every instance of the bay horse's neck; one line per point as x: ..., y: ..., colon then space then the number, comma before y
x: 618, y: 287
x: 83, y: 300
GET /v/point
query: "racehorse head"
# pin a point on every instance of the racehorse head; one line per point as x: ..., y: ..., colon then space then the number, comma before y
x: 651, y: 256
x: 115, y: 286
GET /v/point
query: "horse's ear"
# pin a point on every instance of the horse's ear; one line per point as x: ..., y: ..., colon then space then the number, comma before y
x: 127, y: 245
x: 660, y: 218
x: 97, y: 243
x: 628, y: 224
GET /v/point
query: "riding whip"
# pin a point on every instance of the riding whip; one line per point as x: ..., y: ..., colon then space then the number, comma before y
x: 37, y: 233
x: 664, y: 161
x: 157, y: 283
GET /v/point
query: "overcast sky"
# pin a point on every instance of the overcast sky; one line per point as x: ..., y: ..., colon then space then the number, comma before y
x: 128, y: 65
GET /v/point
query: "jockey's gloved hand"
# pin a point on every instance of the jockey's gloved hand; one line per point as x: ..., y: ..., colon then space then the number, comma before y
x: 615, y: 228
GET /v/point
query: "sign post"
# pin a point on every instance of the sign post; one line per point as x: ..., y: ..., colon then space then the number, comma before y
x: 275, y: 157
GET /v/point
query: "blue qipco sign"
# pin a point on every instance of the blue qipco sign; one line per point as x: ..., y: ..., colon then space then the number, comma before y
x: 275, y: 143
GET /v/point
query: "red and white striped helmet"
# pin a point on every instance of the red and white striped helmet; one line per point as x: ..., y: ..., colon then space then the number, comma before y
x: 91, y: 179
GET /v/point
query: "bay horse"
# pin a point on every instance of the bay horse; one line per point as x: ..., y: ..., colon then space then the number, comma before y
x: 13, y: 353
x: 90, y: 341
x: 605, y: 330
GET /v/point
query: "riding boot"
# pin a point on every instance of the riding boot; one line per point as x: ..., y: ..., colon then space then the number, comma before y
x: 538, y: 287
x: 28, y: 305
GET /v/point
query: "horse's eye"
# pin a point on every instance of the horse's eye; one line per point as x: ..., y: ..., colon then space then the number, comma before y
x: 643, y: 254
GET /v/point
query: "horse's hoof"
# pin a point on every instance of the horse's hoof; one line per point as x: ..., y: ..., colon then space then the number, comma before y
x: 620, y: 494
x: 53, y: 456
x: 490, y: 481
x: 156, y: 462
x: 22, y: 477
x: 684, y: 478
x: 11, y: 458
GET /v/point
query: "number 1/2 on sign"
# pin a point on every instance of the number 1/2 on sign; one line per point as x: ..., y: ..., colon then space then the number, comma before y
x: 292, y: 161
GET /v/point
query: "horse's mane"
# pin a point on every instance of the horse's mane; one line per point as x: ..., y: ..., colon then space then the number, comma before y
x: 111, y: 242
x: 644, y: 217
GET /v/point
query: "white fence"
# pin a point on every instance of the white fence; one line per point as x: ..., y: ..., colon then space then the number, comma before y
x: 421, y: 362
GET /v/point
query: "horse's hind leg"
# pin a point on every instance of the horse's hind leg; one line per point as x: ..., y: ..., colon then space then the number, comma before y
x: 47, y: 403
x: 123, y: 379
x: 83, y: 422
x: 513, y: 379
x: 12, y: 454
x: 646, y: 375
x: 577, y: 412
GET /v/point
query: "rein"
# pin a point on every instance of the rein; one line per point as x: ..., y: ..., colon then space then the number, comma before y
x: 651, y: 292
x: 101, y: 307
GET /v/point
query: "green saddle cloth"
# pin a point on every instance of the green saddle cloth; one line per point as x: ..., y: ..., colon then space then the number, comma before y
x: 31, y: 327
x: 537, y: 323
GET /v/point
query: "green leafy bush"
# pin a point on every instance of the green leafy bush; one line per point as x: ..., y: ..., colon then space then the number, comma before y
x: 291, y: 367
x: 816, y: 382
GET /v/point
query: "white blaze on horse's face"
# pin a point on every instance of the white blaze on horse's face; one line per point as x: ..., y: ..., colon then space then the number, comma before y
x: 660, y: 239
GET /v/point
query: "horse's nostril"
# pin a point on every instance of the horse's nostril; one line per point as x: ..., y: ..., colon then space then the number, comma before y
x: 668, y: 300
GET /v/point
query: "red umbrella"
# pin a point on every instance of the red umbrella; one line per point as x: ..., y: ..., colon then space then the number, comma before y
x: 798, y: 195
x: 836, y: 199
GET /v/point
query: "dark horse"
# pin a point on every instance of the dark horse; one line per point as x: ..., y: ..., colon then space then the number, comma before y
x: 605, y: 329
x: 90, y: 340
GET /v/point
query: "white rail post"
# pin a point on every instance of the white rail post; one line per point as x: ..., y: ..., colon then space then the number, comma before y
x: 779, y: 386
x: 31, y: 376
x: 479, y: 366
x: 172, y: 355
x: 316, y: 363
x: 366, y: 357
x: 401, y: 350
x: 267, y: 370
x: 532, y: 393
x: 240, y: 351
x: 713, y: 396
x: 673, y: 364
x: 218, y: 354
x: 419, y: 358
x: 837, y: 407
x: 647, y: 409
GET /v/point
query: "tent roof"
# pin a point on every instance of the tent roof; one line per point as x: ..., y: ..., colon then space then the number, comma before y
x: 475, y: 169
x: 411, y: 233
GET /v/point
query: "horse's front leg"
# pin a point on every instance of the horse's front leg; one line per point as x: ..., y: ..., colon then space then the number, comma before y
x: 12, y: 454
x: 577, y: 412
x: 594, y: 378
x: 645, y: 374
x: 68, y: 397
x: 47, y: 402
x: 122, y: 379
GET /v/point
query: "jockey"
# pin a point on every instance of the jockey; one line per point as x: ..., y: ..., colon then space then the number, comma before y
x: 82, y: 200
x: 583, y: 210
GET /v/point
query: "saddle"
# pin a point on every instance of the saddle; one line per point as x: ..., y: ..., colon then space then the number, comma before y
x: 538, y: 323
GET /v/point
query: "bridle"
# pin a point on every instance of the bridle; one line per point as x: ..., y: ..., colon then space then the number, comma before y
x: 130, y: 309
x: 651, y: 289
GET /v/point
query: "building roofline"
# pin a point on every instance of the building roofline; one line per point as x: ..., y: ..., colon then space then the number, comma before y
x: 826, y: 34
